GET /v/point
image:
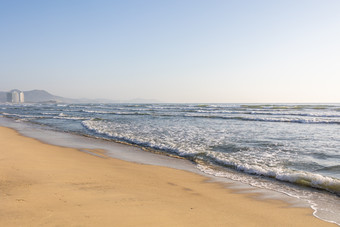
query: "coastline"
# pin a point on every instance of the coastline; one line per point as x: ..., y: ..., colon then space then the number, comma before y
x: 44, y: 184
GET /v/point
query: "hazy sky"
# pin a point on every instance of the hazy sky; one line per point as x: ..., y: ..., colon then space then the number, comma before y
x: 175, y: 51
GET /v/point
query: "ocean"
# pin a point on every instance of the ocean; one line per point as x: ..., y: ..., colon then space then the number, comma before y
x: 289, y: 148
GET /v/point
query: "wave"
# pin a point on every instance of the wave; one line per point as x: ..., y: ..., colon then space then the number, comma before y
x: 287, y: 107
x: 67, y: 117
x: 290, y: 120
x: 315, y: 119
x: 298, y: 177
x: 296, y: 114
x: 46, y: 113
x: 330, y: 168
x: 299, y: 118
x: 98, y: 126
x: 13, y: 115
x: 128, y: 113
x: 302, y: 178
x: 44, y: 116
x: 264, y: 113
x: 96, y: 111
x: 110, y: 112
x: 286, y: 120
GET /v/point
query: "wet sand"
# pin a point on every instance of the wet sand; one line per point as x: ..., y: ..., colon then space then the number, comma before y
x: 47, y: 185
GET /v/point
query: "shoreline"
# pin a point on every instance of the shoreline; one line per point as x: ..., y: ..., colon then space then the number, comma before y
x: 51, y: 185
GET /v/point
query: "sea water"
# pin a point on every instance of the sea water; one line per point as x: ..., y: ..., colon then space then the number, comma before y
x: 290, y: 148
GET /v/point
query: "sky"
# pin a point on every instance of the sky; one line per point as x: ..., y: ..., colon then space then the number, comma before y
x: 229, y: 51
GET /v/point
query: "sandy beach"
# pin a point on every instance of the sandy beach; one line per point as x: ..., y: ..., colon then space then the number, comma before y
x: 46, y: 185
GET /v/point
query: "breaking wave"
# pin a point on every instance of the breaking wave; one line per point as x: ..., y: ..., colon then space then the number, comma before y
x: 298, y: 177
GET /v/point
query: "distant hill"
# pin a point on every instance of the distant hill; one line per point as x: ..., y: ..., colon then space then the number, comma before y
x: 142, y: 101
x: 41, y: 96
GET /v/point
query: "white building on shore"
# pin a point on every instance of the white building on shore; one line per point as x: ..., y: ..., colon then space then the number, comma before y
x: 21, y: 97
x: 16, y: 96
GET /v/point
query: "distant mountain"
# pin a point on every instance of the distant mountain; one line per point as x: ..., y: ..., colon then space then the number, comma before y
x: 142, y: 101
x: 41, y: 96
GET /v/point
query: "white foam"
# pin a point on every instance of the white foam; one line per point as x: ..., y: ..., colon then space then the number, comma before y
x: 251, y: 163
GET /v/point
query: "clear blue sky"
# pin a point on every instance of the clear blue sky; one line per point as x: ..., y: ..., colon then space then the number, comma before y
x: 175, y: 51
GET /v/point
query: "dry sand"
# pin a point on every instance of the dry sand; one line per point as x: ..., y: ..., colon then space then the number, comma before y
x: 46, y: 185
